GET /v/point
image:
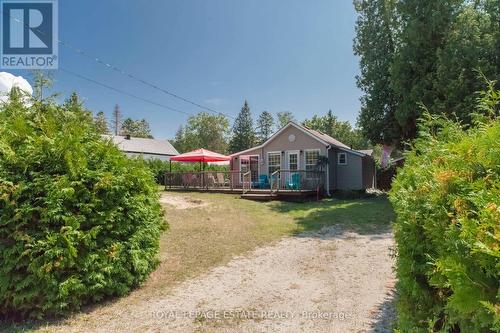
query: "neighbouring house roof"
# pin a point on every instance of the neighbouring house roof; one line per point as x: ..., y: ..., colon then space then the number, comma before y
x: 319, y: 136
x: 143, y: 145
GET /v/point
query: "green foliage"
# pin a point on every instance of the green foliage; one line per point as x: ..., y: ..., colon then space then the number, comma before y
x: 264, y: 126
x: 448, y: 227
x: 340, y: 130
x: 136, y: 128
x: 204, y: 130
x: 243, y: 136
x: 424, y: 29
x: 474, y: 34
x: 375, y: 45
x: 79, y: 221
x: 284, y: 117
x: 415, y: 52
x: 101, y: 124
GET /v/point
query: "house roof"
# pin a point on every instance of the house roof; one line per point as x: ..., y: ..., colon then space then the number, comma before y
x: 143, y: 145
x: 368, y: 152
x: 322, y: 137
x: 326, y: 138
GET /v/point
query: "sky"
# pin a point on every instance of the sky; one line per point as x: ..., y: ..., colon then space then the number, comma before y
x: 279, y: 55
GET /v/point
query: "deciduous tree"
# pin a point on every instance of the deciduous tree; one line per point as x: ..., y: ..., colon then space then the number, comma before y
x: 284, y: 117
x: 340, y: 130
x: 203, y: 130
x: 375, y: 46
x: 136, y: 128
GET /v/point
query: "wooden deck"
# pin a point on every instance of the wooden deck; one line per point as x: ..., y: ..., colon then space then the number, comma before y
x: 254, y: 194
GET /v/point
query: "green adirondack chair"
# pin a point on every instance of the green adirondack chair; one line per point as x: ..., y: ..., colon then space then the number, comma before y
x: 294, y: 182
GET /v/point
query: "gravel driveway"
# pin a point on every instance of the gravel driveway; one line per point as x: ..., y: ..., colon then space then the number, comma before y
x: 329, y: 281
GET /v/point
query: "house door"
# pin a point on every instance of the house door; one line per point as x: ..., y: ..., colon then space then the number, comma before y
x: 292, y: 165
x: 292, y: 161
x: 254, y: 168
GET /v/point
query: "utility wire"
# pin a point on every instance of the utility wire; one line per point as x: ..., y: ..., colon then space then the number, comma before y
x: 123, y: 92
x: 125, y: 73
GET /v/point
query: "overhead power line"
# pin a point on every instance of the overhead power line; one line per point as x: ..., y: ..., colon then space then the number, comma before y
x: 138, y: 79
x: 125, y: 73
x: 123, y: 92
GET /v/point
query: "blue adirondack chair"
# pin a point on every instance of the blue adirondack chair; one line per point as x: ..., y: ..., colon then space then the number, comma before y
x: 293, y: 183
x: 263, y: 182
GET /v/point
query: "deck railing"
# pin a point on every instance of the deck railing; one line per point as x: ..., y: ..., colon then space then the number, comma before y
x: 203, y: 179
x: 297, y: 180
x: 281, y: 180
x: 246, y: 182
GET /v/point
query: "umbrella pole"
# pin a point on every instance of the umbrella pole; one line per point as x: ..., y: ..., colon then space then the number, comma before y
x: 170, y: 162
x: 202, y: 177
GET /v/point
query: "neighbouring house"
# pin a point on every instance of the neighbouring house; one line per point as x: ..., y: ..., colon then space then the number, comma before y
x: 150, y: 149
x: 298, y: 148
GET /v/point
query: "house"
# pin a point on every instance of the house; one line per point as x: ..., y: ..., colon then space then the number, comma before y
x: 295, y: 147
x: 149, y: 149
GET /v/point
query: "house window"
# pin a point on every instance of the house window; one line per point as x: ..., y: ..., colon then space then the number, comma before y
x: 342, y: 159
x: 244, y: 164
x: 293, y: 161
x: 312, y: 159
x: 274, y: 162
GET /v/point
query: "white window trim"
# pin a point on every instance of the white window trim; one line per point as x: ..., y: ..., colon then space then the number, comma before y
x: 269, y: 153
x: 338, y: 159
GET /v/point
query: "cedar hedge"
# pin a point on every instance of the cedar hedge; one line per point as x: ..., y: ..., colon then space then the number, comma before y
x: 446, y: 198
x: 79, y: 221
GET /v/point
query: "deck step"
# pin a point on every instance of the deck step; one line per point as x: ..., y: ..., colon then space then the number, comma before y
x: 259, y: 196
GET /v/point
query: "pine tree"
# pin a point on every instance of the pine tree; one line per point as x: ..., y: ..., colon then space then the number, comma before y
x: 41, y: 80
x: 101, y: 123
x: 128, y: 127
x: 244, y: 136
x: 73, y: 102
x: 265, y: 125
x: 143, y: 129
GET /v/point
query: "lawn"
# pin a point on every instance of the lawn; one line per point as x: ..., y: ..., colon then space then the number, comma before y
x: 211, y: 235
x: 224, y: 226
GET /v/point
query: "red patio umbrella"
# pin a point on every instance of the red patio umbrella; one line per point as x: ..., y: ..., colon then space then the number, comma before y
x: 200, y: 155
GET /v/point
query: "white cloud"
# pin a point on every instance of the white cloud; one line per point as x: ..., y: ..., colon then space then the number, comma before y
x: 8, y: 81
